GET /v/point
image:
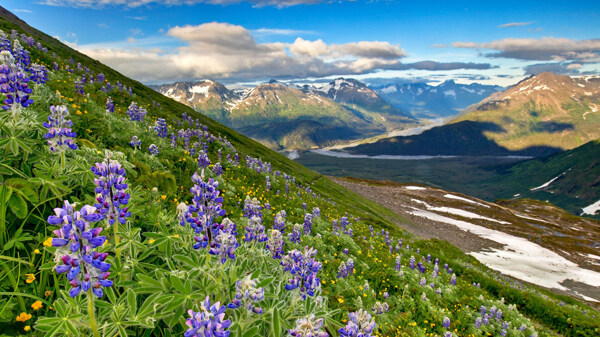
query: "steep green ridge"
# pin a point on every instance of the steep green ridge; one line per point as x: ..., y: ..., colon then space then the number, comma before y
x: 575, y: 176
x: 157, y: 275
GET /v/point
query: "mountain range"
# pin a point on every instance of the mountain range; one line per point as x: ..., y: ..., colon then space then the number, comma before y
x: 294, y: 117
x: 427, y: 101
x: 542, y: 114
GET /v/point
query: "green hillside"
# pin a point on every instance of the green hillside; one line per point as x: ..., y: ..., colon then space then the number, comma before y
x: 575, y: 176
x: 158, y: 264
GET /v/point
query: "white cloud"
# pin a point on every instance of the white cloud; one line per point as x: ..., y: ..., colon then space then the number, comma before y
x: 139, y: 3
x: 516, y: 24
x: 543, y: 49
x: 226, y: 51
x: 23, y: 11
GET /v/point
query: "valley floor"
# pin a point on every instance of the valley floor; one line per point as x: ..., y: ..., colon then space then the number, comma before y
x: 504, y: 238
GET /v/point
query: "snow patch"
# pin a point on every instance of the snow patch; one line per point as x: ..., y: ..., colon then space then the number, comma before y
x: 197, y: 89
x: 451, y: 196
x: 522, y: 258
x: 450, y: 93
x: 389, y: 90
x: 592, y: 209
x: 546, y: 184
x: 415, y: 188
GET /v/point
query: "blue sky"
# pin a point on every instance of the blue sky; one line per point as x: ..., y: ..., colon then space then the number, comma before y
x: 158, y: 41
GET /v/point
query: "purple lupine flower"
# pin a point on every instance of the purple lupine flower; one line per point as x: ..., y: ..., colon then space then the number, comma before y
x: 275, y: 244
x: 411, y: 263
x: 453, y: 280
x: 203, y: 161
x: 360, y: 325
x: 135, y: 142
x: 22, y: 57
x: 207, y: 205
x: 76, y: 240
x: 304, y: 268
x: 55, y: 66
x: 225, y: 242
x: 307, y: 224
x: 486, y: 319
x: 110, y: 106
x: 499, y: 315
x: 173, y: 140
x: 252, y: 207
x: 217, y: 169
x: 477, y: 323
x: 38, y: 74
x: 161, y: 128
x: 79, y: 87
x: 59, y: 136
x: 4, y: 42
x: 342, y: 271
x: 295, y: 235
x: 209, y: 321
x: 448, y: 334
x: 255, y: 230
x: 153, y: 149
x: 345, y: 251
x: 380, y: 308
x: 398, y: 265
x: 308, y: 327
x: 316, y: 212
x: 247, y: 295
x: 135, y: 113
x: 446, y: 323
x: 423, y: 281
x: 482, y: 310
x: 279, y: 221
x: 110, y: 191
x: 100, y: 77
x: 13, y: 83
x: 350, y: 267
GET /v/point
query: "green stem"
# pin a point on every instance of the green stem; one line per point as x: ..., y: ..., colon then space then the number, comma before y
x: 62, y: 161
x: 3, y: 206
x: 26, y: 295
x: 93, y: 324
x: 116, y: 234
x: 15, y: 285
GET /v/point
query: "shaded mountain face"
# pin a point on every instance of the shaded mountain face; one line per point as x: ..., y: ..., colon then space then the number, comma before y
x: 540, y: 115
x: 426, y: 101
x: 290, y: 117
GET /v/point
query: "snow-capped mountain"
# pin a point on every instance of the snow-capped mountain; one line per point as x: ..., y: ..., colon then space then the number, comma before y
x: 272, y: 112
x: 426, y: 101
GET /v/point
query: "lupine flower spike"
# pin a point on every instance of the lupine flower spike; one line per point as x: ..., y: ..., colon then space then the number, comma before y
x: 76, y: 242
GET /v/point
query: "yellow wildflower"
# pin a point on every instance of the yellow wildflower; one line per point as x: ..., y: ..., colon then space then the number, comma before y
x: 341, y: 300
x: 30, y: 278
x: 27, y: 328
x: 23, y: 317
x: 36, y: 305
x: 48, y: 242
x: 36, y: 251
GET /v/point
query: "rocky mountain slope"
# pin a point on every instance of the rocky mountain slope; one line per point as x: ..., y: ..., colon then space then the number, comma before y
x: 426, y: 101
x: 286, y: 116
x: 540, y: 115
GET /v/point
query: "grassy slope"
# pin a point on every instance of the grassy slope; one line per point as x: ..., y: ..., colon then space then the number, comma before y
x: 529, y: 302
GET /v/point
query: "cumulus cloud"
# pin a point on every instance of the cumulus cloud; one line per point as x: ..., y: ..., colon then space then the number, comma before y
x: 543, y: 49
x: 226, y: 51
x: 516, y: 24
x: 139, y: 3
